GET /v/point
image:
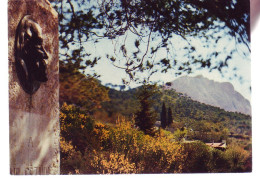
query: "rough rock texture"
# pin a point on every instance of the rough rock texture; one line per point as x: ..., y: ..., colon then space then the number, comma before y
x: 34, y: 119
x: 214, y: 93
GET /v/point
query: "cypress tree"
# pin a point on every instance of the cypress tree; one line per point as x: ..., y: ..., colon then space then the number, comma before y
x: 169, y: 118
x: 163, y: 116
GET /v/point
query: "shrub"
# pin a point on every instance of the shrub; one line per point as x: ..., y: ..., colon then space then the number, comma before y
x: 198, y: 157
x: 76, y: 126
x: 219, y: 162
x: 107, y: 163
x: 71, y: 160
x: 179, y: 135
x: 161, y: 155
x: 236, y: 157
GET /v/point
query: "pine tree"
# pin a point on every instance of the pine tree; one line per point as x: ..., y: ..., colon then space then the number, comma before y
x: 146, y: 117
x: 163, y: 116
x: 169, y: 118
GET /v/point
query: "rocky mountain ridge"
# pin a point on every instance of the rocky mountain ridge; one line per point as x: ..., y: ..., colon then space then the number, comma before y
x: 218, y: 94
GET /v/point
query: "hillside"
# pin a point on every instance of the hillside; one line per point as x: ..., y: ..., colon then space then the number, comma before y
x: 210, y: 92
x: 186, y: 111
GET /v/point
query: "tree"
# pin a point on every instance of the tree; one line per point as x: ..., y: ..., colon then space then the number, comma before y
x: 169, y: 117
x: 153, y: 24
x: 80, y: 89
x: 164, y: 116
x: 146, y: 116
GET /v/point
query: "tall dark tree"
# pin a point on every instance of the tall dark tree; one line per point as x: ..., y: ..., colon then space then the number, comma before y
x: 169, y: 117
x: 163, y: 116
x: 146, y: 116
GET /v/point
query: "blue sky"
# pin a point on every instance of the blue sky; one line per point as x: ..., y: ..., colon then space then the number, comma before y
x: 242, y: 63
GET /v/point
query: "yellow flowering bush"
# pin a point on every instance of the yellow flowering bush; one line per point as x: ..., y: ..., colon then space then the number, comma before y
x: 122, y: 148
x: 100, y: 135
x: 148, y: 154
x: 161, y: 155
x: 76, y: 126
x: 109, y: 163
x: 66, y: 147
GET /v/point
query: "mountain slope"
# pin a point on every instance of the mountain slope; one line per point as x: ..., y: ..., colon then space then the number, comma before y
x: 210, y: 92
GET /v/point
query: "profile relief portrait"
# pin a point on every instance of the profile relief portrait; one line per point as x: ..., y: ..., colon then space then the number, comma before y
x: 30, y: 55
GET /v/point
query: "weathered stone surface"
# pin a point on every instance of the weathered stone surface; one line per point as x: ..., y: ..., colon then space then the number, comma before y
x: 34, y: 119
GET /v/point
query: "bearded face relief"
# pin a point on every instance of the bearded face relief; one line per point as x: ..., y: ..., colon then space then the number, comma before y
x: 30, y: 55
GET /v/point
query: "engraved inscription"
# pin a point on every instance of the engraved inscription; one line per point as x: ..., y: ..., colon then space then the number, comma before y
x: 43, y: 170
x: 15, y: 171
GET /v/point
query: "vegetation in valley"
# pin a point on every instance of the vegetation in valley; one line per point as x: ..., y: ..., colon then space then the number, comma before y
x: 94, y: 144
x: 122, y: 148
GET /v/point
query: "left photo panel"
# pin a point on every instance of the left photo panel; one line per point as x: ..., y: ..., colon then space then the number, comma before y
x: 33, y: 48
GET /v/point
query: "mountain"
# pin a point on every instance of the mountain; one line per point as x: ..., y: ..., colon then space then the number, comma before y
x: 210, y: 92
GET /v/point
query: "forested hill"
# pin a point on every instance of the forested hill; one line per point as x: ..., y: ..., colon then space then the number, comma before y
x: 184, y: 109
x: 125, y: 103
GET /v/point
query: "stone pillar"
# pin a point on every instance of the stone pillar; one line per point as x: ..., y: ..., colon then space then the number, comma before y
x: 33, y: 115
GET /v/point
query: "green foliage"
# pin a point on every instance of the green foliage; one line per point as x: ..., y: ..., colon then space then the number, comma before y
x: 121, y: 102
x: 180, y: 134
x: 77, y: 24
x: 204, y: 122
x: 164, y: 19
x: 166, y: 116
x: 89, y: 147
